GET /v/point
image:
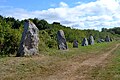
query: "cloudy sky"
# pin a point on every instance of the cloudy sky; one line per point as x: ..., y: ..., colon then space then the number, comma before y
x: 80, y: 14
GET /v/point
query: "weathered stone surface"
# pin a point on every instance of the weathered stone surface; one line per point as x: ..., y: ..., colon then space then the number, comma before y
x: 107, y: 39
x: 100, y: 40
x: 62, y: 45
x: 30, y: 40
x: 85, y: 42
x: 91, y: 40
x: 75, y: 44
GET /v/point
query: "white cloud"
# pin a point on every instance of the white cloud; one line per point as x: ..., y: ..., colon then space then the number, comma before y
x: 110, y: 4
x: 92, y: 15
x: 62, y: 4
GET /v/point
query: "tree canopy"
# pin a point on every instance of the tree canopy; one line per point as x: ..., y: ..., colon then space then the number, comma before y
x: 11, y: 31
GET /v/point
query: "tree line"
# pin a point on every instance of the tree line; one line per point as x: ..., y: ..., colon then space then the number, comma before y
x: 11, y: 31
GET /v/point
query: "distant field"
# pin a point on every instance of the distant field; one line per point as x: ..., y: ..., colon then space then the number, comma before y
x: 97, y: 62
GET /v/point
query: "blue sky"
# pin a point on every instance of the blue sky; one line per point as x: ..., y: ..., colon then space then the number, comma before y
x: 81, y: 14
x: 39, y: 4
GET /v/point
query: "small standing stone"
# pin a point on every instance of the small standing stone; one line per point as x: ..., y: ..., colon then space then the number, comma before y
x: 29, y: 41
x: 62, y: 45
x: 75, y: 44
x: 85, y: 42
x: 91, y: 40
x: 107, y: 39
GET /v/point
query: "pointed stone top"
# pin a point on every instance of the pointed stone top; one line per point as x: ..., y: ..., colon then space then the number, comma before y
x: 61, y: 33
x: 30, y: 24
x: 28, y: 21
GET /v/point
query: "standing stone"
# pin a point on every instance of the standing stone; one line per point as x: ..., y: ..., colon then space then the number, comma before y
x: 29, y: 41
x: 85, y: 42
x: 107, y: 39
x: 91, y: 40
x: 62, y: 45
x: 75, y: 44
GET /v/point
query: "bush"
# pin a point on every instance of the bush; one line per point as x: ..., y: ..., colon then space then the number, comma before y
x: 9, y: 40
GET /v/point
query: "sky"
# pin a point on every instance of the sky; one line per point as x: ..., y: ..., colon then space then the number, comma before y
x: 79, y: 14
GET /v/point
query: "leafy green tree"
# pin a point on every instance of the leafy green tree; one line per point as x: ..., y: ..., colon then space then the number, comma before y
x: 11, y: 31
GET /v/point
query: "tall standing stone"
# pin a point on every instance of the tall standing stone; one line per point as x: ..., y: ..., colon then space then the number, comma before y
x: 85, y: 42
x: 75, y: 44
x: 107, y: 39
x: 91, y: 40
x: 62, y: 45
x: 29, y: 41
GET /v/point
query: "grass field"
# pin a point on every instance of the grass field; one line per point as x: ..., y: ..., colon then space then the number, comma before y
x: 65, y: 65
x: 112, y: 69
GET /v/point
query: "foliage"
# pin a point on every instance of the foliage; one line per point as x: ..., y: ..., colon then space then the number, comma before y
x: 115, y: 30
x: 11, y: 30
x: 9, y: 36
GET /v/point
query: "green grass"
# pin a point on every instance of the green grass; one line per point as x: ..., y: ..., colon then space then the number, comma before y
x: 96, y: 48
x: 51, y: 61
x: 109, y: 69
x: 112, y: 69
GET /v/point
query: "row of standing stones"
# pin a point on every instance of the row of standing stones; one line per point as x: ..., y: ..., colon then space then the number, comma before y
x: 90, y: 41
x: 30, y: 40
